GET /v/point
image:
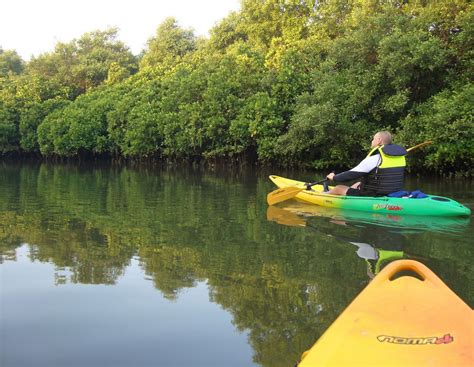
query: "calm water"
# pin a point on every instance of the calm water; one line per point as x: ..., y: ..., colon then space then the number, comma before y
x: 122, y: 266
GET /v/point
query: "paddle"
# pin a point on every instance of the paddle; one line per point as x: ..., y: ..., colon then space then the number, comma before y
x: 419, y: 145
x: 286, y: 193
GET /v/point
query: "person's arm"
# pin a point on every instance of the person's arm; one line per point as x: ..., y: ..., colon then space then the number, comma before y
x: 361, y: 170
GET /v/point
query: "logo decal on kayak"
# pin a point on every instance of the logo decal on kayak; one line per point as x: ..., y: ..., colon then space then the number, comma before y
x: 446, y: 339
x: 386, y: 206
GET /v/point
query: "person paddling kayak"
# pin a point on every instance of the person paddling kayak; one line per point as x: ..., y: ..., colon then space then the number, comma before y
x: 382, y: 171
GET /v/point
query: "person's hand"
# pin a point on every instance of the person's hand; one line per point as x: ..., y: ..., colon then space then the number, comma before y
x: 331, y: 176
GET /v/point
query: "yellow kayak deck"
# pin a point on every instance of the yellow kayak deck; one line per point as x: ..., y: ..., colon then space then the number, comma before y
x: 399, y: 321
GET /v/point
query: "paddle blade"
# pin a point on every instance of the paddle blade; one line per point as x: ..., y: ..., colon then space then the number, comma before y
x: 283, y: 194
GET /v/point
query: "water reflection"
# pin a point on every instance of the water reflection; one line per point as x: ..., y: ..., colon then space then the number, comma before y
x: 391, y: 222
x: 379, y: 238
x: 85, y: 227
x: 174, y: 230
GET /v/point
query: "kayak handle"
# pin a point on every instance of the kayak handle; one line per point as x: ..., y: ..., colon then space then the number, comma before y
x: 423, y: 273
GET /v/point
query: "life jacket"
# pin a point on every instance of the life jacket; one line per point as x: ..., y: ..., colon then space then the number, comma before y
x: 389, y: 174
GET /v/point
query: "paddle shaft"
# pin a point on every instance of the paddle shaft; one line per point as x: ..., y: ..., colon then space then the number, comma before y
x: 419, y: 145
x: 308, y: 186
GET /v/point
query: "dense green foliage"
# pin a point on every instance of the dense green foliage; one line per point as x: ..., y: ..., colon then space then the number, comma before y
x: 281, y: 81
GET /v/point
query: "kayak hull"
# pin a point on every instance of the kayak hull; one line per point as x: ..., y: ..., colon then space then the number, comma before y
x: 429, y: 206
x: 399, y: 321
x: 298, y: 211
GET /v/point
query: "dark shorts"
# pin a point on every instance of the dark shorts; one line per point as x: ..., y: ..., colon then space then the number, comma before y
x: 356, y: 192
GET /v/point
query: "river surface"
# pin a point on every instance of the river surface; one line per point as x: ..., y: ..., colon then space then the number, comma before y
x: 112, y: 265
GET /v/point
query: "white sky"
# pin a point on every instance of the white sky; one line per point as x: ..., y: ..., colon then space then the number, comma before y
x: 32, y: 27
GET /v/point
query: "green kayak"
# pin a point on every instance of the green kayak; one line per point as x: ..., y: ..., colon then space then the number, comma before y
x: 429, y: 206
x: 297, y: 212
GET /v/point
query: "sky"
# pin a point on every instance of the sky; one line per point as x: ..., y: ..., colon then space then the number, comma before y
x: 32, y: 27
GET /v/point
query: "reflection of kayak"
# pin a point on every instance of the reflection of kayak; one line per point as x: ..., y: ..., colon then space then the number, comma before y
x: 406, y: 222
x: 429, y: 206
x: 399, y: 322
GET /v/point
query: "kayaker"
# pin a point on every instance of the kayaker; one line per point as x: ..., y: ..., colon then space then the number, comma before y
x: 382, y: 171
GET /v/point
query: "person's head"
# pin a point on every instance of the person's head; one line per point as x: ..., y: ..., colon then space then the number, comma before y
x: 381, y: 138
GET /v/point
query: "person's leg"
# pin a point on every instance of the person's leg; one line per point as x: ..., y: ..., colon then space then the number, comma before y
x: 338, y: 190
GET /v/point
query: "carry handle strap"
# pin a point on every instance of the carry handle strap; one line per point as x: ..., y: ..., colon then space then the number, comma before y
x: 423, y: 272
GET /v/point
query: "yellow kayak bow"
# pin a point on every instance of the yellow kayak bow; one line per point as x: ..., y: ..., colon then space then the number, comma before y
x: 405, y: 317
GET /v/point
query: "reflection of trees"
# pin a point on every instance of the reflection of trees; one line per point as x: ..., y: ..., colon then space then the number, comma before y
x: 170, y: 268
x: 286, y: 308
x: 8, y: 240
x: 90, y: 257
x: 282, y: 315
x: 41, y: 214
x: 283, y: 285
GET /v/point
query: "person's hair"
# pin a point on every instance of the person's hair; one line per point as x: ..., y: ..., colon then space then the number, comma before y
x: 385, y: 136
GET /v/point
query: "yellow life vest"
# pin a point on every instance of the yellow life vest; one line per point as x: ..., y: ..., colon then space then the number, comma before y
x: 389, y: 174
